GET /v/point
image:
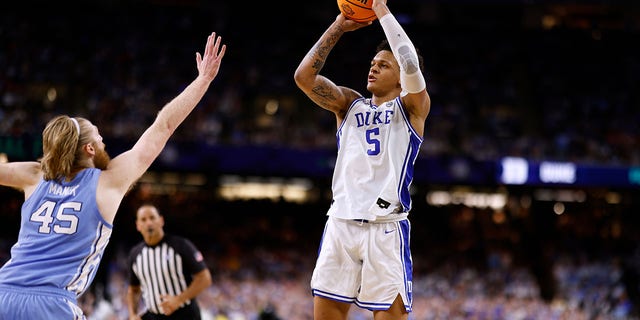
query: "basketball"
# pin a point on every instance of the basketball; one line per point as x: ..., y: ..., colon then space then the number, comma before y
x: 357, y: 10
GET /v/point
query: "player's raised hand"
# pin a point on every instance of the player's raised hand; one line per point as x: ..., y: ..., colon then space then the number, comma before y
x: 209, y: 63
x: 350, y: 25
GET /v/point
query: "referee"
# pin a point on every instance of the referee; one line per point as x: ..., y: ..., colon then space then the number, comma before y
x: 166, y: 270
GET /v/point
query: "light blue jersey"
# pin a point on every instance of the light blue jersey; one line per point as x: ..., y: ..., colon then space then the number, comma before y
x: 377, y: 149
x: 61, y: 242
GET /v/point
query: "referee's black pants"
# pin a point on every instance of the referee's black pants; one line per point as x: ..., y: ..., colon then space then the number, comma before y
x: 188, y: 312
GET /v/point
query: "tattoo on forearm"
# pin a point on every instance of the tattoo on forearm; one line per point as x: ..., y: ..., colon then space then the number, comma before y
x: 320, y: 53
x: 322, y: 49
x: 335, y: 36
x: 317, y: 65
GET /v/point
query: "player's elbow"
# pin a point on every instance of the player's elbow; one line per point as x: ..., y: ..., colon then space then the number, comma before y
x: 303, y: 78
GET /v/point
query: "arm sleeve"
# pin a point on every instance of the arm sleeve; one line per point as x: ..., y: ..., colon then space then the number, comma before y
x: 411, y: 77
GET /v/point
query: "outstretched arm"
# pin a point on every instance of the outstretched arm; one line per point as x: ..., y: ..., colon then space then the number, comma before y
x: 23, y: 176
x: 318, y: 88
x: 126, y: 168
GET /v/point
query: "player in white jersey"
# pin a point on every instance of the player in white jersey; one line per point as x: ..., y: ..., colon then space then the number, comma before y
x: 71, y: 199
x: 364, y: 257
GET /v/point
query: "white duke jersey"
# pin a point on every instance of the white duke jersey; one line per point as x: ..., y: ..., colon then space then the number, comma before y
x: 62, y: 238
x: 377, y: 149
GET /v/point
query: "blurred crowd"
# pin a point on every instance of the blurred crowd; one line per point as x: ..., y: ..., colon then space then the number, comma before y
x: 261, y: 262
x: 519, y: 262
x: 588, y: 291
x: 541, y: 81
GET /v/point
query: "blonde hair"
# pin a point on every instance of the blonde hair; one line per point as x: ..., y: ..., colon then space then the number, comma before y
x: 62, y: 146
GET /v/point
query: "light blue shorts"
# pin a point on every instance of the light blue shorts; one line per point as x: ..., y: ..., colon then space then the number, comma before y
x: 16, y: 303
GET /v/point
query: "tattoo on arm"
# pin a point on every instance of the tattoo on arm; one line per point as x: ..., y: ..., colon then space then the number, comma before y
x: 321, y: 53
x: 322, y: 49
x: 317, y: 65
x: 324, y: 92
x: 324, y: 95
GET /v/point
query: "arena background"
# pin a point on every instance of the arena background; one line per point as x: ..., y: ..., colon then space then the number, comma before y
x: 526, y: 193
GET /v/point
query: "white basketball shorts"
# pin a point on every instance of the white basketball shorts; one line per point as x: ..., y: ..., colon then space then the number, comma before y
x: 364, y: 263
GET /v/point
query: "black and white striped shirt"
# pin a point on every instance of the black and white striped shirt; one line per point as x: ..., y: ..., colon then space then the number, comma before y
x: 165, y: 268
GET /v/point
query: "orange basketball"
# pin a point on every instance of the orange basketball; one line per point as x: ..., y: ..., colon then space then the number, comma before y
x: 357, y: 10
